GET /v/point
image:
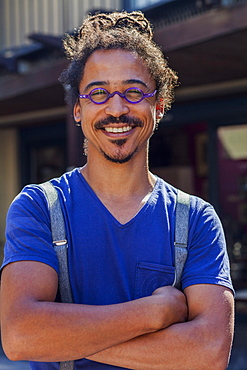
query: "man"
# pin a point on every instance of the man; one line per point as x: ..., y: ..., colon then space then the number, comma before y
x: 120, y: 227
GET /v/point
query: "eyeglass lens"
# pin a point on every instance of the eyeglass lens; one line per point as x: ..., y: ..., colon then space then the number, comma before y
x: 100, y: 95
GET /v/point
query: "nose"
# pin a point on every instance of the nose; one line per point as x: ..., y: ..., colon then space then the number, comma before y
x: 116, y: 106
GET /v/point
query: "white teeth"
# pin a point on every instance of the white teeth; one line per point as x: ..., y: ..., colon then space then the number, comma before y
x: 118, y: 130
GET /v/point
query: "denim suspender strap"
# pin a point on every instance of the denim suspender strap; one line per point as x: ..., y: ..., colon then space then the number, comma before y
x: 60, y: 245
x: 181, y: 235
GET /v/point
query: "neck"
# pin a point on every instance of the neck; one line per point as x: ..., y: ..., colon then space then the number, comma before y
x: 122, y: 188
x: 119, y: 180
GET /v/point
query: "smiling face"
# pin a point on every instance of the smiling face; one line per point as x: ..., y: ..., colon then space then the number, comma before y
x: 117, y: 129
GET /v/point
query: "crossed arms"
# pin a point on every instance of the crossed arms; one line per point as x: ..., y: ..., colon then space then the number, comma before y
x: 168, y: 330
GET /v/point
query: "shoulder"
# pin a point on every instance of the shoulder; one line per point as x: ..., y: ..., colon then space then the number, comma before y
x: 170, y: 192
x: 28, y: 233
x: 202, y: 215
x: 67, y: 179
x: 33, y: 193
x: 31, y: 203
x: 30, y: 200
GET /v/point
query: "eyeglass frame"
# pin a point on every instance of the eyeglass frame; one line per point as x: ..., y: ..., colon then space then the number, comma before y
x: 122, y: 95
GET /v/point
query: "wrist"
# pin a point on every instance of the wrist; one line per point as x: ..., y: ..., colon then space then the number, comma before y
x: 151, y: 314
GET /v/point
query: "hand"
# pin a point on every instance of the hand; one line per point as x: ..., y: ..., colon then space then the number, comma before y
x: 171, y: 306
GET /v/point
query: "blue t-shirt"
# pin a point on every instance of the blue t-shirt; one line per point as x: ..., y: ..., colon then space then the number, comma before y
x: 110, y: 262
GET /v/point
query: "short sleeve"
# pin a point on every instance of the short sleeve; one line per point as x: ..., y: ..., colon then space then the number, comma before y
x: 28, y: 234
x: 207, y: 261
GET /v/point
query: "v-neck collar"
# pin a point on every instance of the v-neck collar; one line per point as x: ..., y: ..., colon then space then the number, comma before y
x: 106, y: 210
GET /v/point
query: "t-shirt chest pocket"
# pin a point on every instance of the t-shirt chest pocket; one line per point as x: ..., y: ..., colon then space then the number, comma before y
x: 150, y: 276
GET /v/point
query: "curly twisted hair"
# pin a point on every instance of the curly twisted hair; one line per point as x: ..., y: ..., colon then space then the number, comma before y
x: 117, y: 30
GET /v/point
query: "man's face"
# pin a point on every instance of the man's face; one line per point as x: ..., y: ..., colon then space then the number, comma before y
x: 117, y: 129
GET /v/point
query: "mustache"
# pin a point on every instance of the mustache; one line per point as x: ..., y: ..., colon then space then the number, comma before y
x: 122, y: 119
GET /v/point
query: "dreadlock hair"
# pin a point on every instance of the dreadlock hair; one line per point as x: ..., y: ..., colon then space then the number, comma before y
x: 117, y: 30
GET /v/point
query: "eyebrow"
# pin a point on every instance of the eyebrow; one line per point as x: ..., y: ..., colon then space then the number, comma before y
x: 125, y: 82
x: 135, y: 81
x: 95, y: 83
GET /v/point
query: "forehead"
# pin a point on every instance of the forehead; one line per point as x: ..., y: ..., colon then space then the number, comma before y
x: 115, y: 67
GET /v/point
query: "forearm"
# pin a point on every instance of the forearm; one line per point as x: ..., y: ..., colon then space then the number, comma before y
x: 203, y: 342
x: 48, y: 331
x: 181, y: 346
x: 34, y: 327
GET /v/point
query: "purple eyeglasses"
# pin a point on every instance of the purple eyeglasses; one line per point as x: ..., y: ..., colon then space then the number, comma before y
x: 133, y: 95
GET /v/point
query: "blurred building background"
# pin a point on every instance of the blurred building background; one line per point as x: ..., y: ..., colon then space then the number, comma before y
x: 201, y: 144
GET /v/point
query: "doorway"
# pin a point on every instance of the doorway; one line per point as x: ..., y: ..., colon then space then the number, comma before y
x: 42, y: 152
x: 232, y: 178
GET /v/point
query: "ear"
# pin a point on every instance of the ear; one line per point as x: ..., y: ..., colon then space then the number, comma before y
x: 160, y: 109
x: 77, y: 113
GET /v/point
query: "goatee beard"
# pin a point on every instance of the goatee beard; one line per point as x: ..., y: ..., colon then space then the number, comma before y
x: 118, y: 158
x: 133, y: 121
x: 118, y: 142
